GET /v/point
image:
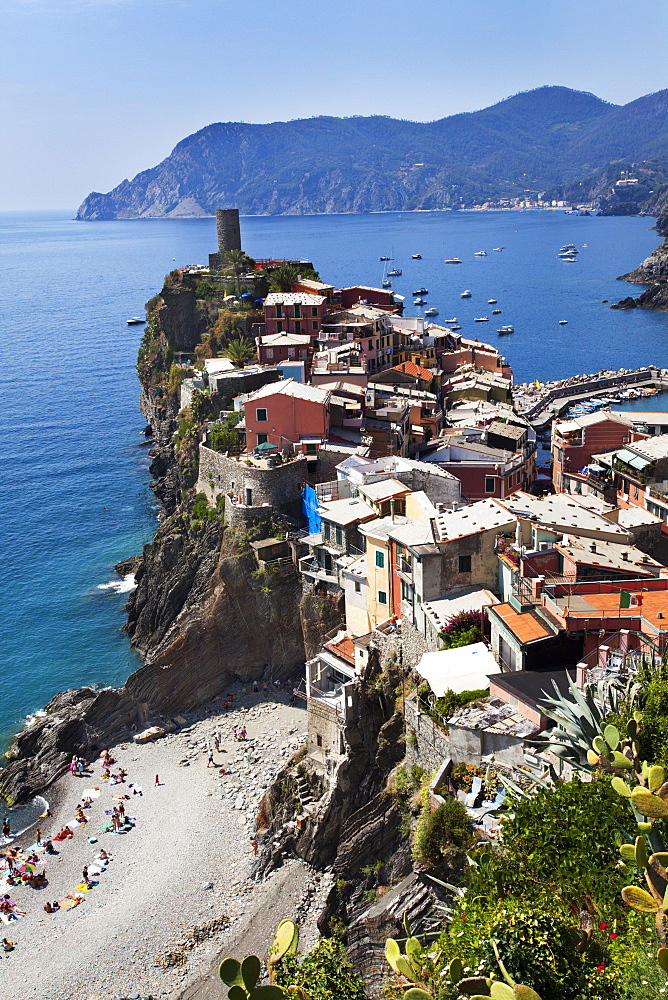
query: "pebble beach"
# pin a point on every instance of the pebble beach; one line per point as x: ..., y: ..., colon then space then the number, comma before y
x: 180, y: 890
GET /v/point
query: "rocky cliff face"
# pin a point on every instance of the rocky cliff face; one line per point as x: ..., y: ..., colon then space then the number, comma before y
x: 653, y: 271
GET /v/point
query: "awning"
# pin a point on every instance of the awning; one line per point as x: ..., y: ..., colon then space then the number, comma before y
x: 630, y: 458
x: 466, y: 668
x: 267, y: 446
x: 639, y: 463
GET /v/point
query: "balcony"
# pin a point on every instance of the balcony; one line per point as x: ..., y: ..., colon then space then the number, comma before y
x: 314, y: 572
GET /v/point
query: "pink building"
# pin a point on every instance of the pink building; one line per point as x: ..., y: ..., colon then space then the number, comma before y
x: 294, y: 312
x: 365, y: 295
x: 287, y: 412
x: 276, y: 347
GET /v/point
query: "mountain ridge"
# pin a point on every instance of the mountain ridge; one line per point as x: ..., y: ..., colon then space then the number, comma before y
x: 529, y: 141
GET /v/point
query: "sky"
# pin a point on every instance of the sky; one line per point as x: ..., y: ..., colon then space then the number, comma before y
x: 93, y: 91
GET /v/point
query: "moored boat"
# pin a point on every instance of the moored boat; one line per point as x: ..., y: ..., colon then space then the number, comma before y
x: 466, y: 294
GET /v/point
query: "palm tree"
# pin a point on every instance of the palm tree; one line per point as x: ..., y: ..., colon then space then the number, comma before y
x: 236, y: 262
x: 282, y: 278
x: 239, y: 351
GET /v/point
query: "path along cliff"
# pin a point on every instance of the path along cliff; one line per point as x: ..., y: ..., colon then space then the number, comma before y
x: 202, y: 615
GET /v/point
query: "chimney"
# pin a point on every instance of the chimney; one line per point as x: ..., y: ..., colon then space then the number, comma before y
x: 625, y: 556
x: 592, y: 547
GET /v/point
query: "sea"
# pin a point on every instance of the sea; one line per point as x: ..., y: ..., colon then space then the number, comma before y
x: 75, y: 495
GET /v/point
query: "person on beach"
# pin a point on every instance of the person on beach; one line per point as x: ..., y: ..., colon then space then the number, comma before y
x: 243, y: 734
x: 234, y: 733
x: 51, y: 907
x: 79, y: 816
x: 103, y: 856
x: 7, y: 945
x: 106, y: 774
x: 216, y: 744
x: 38, y: 837
x: 256, y: 687
x: 6, y: 829
x: 87, y: 803
x: 210, y: 762
x: 65, y: 834
x: 49, y: 848
x: 157, y: 780
x: 253, y: 841
x: 84, y: 877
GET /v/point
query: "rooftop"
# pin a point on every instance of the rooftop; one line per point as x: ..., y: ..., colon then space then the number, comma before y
x: 484, y: 515
x: 526, y: 626
x: 281, y: 339
x: 610, y: 556
x: 465, y: 668
x: 532, y: 687
x: 565, y: 512
x: 386, y: 489
x: 342, y: 647
x: 587, y: 603
x: 294, y: 298
x: 506, y: 430
x: 460, y: 599
x: 586, y: 420
x: 496, y: 716
x: 346, y: 511
x: 636, y: 517
x: 415, y: 533
x: 409, y: 368
x: 288, y: 387
x: 382, y: 527
x: 652, y: 448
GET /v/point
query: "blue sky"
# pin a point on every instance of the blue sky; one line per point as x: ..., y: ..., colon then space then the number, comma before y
x: 96, y: 90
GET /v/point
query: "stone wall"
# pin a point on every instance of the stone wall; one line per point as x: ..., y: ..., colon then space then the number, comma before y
x: 426, y: 743
x: 280, y: 487
x: 239, y: 517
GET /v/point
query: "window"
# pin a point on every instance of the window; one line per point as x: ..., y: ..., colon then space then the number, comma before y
x: 327, y: 530
x: 311, y: 448
x: 279, y: 326
x: 382, y: 597
x: 380, y: 559
x: 635, y: 492
x: 465, y: 564
x: 314, y: 310
x: 298, y: 327
x: 261, y: 415
x: 270, y: 352
x: 291, y: 352
x: 319, y: 740
x: 358, y: 590
x: 298, y: 310
x: 489, y: 484
x: 314, y: 324
x: 339, y: 536
x: 261, y: 439
x: 279, y: 310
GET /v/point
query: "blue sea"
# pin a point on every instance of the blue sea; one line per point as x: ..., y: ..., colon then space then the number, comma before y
x: 73, y: 461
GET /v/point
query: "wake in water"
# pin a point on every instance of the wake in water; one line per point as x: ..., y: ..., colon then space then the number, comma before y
x: 123, y: 586
x: 21, y: 818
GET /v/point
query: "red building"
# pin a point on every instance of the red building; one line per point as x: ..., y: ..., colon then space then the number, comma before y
x: 294, y: 312
x: 366, y: 295
x: 577, y: 439
x: 276, y: 347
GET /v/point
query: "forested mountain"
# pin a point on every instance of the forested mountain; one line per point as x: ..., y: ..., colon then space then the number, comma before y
x: 527, y: 143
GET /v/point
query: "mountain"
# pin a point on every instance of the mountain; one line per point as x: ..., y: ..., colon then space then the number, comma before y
x: 529, y: 142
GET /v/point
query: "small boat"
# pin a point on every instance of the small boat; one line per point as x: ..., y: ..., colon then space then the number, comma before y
x: 453, y: 260
x: 496, y: 312
x: 416, y: 256
x: 385, y: 258
x: 419, y: 301
x: 498, y: 249
x: 453, y: 320
x: 480, y: 253
x: 455, y: 327
x: 431, y: 312
x: 504, y: 330
x: 421, y: 291
x: 563, y: 322
x: 491, y: 301
x: 135, y: 321
x: 466, y: 294
x: 567, y: 246
x: 387, y: 283
x: 481, y: 319
x: 394, y: 273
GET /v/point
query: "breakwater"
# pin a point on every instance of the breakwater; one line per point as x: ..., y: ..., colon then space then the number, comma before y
x: 541, y: 403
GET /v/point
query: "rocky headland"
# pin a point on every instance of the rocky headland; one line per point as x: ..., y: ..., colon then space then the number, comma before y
x: 202, y: 616
x: 653, y: 271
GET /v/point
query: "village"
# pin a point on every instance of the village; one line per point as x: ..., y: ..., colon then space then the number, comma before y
x: 404, y: 465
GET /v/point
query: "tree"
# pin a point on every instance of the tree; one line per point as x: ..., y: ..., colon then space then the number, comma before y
x: 282, y: 278
x: 239, y: 351
x: 236, y: 262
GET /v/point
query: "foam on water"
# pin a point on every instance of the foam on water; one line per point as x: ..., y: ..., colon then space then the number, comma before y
x: 123, y: 586
x: 21, y: 818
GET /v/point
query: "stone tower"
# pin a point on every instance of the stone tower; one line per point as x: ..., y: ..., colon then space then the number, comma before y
x: 229, y: 233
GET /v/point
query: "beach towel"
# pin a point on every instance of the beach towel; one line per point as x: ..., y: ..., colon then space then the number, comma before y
x: 69, y: 904
x: 91, y: 793
x: 84, y: 888
x: 95, y: 869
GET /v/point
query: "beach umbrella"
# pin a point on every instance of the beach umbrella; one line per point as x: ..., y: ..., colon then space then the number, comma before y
x: 28, y: 868
x: 246, y: 295
x: 267, y: 446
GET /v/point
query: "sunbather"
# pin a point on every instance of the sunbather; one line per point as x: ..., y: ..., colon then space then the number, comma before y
x: 52, y: 907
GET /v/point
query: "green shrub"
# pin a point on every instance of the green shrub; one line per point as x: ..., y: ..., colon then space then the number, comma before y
x: 324, y: 973
x: 653, y: 736
x: 442, y: 836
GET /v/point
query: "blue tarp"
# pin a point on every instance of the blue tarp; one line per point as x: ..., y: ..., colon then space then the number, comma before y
x: 310, y: 509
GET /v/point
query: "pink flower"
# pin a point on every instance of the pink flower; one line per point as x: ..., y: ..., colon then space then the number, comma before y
x: 613, y: 935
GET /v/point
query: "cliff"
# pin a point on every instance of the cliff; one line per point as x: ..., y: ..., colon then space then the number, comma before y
x: 653, y: 271
x: 528, y: 142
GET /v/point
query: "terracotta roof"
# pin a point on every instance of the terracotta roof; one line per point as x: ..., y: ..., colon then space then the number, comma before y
x: 526, y: 626
x: 343, y: 648
x: 409, y: 368
x: 606, y: 605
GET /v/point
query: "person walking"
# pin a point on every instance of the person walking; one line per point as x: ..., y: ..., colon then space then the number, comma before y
x: 216, y: 744
x: 210, y: 762
x: 157, y: 781
x: 253, y: 841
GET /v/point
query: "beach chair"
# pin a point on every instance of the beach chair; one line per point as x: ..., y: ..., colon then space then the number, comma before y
x: 476, y: 788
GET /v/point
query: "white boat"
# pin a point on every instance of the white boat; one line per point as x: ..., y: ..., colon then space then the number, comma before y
x: 419, y: 301
x: 505, y: 330
x: 455, y: 327
x: 496, y: 312
x: 135, y: 321
x: 394, y: 273
x: 563, y: 322
x: 480, y: 253
x: 498, y: 249
x: 421, y: 291
x: 431, y: 312
x: 416, y: 256
x: 466, y: 294
x: 491, y: 302
x: 481, y: 319
x: 387, y: 283
x: 386, y: 258
x: 453, y: 320
x: 453, y: 260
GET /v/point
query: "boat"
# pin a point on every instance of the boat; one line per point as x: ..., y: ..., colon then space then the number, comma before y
x: 421, y: 291
x: 481, y: 319
x: 466, y: 294
x: 387, y: 283
x: 498, y: 249
x: 419, y: 301
x: 135, y: 321
x: 431, y: 312
x: 567, y: 246
x: 453, y: 320
x: 394, y: 273
x: 385, y: 258
x: 563, y: 322
x: 453, y: 260
x: 416, y: 256
x: 505, y: 330
x: 480, y: 253
x: 496, y: 312
x: 491, y: 301
x: 455, y: 327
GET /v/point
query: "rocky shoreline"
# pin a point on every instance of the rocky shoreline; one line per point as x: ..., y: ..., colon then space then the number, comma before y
x: 652, y: 271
